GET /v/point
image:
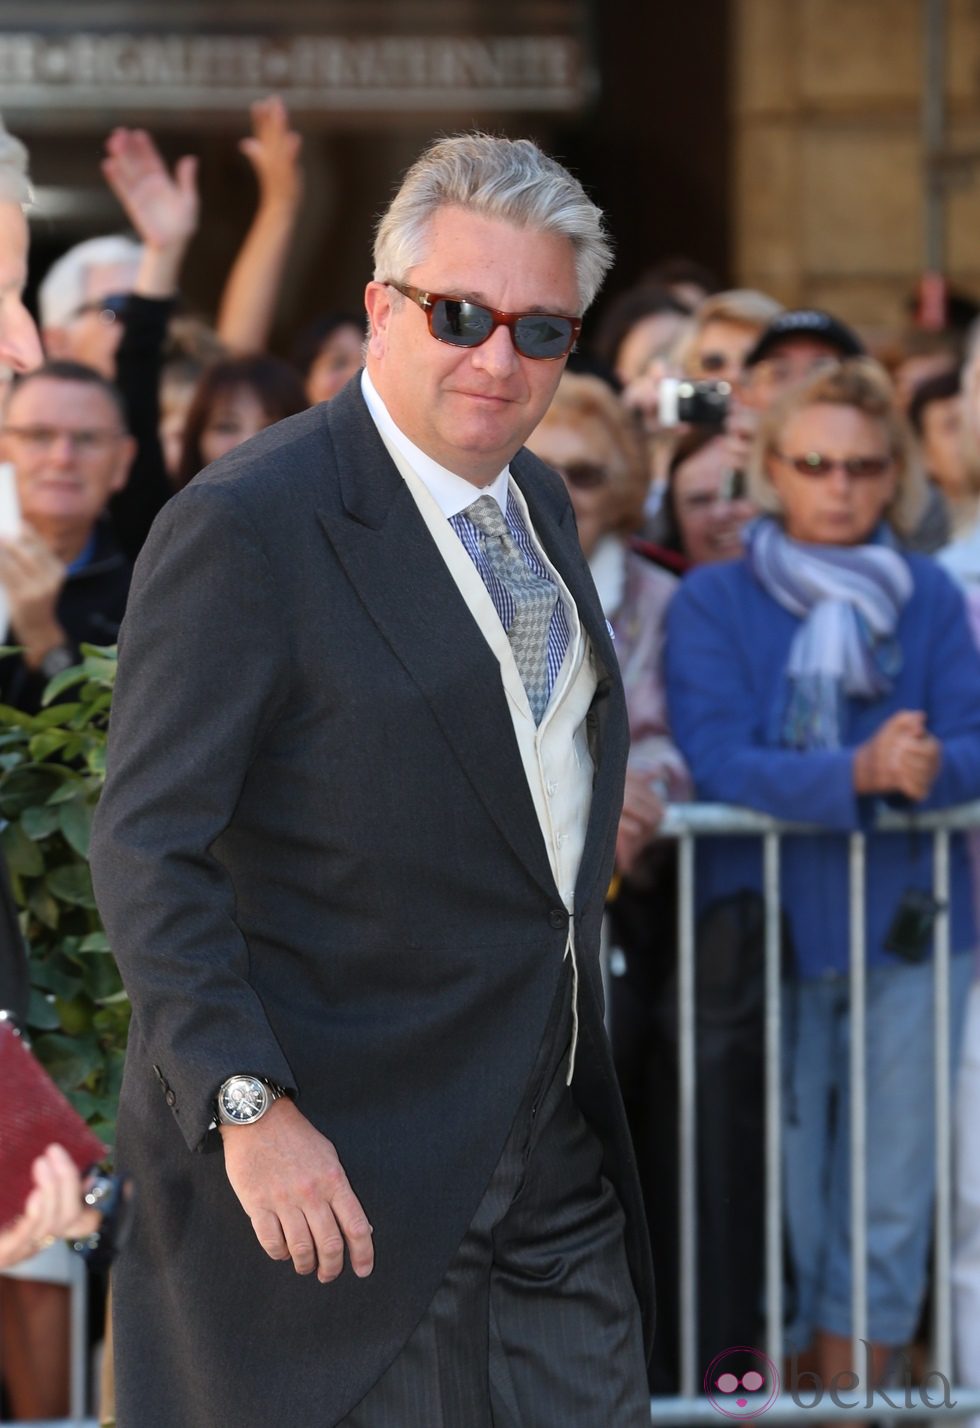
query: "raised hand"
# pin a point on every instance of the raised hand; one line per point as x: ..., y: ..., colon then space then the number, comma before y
x: 291, y: 1184
x: 273, y: 150
x: 162, y: 207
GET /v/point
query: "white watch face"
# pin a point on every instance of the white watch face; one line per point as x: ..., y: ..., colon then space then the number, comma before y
x: 243, y: 1099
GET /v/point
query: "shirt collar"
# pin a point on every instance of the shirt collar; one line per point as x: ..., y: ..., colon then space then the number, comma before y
x: 451, y: 493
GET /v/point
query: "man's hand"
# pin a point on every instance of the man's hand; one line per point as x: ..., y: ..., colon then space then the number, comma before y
x: 273, y: 150
x: 293, y: 1188
x: 642, y: 815
x: 32, y: 576
x: 902, y: 757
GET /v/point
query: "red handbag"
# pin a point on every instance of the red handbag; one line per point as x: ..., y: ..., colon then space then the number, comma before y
x: 33, y: 1113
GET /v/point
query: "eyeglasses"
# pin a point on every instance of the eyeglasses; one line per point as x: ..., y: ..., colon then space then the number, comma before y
x: 110, y: 309
x: 584, y: 475
x: 461, y: 323
x: 42, y: 438
x: 858, y: 468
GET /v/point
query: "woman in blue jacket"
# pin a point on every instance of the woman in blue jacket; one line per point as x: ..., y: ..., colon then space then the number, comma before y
x: 823, y: 672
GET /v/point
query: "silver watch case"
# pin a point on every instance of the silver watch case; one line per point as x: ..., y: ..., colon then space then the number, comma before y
x: 243, y: 1100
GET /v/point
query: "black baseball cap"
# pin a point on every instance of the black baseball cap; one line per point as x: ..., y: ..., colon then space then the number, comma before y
x: 806, y: 322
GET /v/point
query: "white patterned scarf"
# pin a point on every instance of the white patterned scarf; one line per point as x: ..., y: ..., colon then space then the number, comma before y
x: 849, y: 599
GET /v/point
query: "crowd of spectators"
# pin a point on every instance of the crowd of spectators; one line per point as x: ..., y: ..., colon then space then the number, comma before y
x: 784, y: 532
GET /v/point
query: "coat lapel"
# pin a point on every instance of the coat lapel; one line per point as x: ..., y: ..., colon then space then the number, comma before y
x: 389, y: 557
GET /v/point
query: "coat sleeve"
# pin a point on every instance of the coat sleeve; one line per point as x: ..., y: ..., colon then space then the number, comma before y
x: 203, y: 673
x: 721, y: 730
x: 953, y: 697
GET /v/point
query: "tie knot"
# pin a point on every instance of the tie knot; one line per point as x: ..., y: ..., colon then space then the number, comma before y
x: 487, y: 516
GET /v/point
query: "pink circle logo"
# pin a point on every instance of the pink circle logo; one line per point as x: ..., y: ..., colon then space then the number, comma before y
x: 741, y: 1383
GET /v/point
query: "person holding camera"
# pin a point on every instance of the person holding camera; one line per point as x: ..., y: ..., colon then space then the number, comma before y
x: 824, y: 673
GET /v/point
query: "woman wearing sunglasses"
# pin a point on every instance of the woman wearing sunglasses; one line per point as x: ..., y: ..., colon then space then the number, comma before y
x: 825, y: 673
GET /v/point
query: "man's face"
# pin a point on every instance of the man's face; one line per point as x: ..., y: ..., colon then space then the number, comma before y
x: 69, y: 452
x: 92, y: 334
x: 471, y: 409
x: 790, y: 361
x: 20, y: 349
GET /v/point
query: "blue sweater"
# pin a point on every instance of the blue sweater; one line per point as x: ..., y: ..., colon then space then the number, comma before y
x: 727, y: 648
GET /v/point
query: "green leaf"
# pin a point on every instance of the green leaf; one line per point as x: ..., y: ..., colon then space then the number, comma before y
x: 39, y: 820
x: 42, y: 1013
x: 102, y: 981
x: 96, y: 760
x: 42, y: 746
x: 75, y: 820
x: 75, y: 1015
x: 27, y: 785
x: 58, y: 716
x: 95, y: 942
x: 23, y: 856
x: 72, y: 883
x: 44, y: 907
x: 66, y: 790
x: 67, y: 679
x: 51, y: 978
x: 69, y: 1059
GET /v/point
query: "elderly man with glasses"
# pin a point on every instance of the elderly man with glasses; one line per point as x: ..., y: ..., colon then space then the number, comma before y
x: 365, y: 771
x: 63, y: 575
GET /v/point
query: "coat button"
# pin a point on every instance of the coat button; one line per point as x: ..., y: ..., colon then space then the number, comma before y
x: 558, y: 918
x: 171, y: 1098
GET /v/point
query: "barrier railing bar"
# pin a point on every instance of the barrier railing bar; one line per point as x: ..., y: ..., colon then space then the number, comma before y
x: 897, y: 1403
x: 942, y: 1287
x: 721, y: 819
x: 773, y: 1053
x: 858, y: 1116
x: 687, y: 1120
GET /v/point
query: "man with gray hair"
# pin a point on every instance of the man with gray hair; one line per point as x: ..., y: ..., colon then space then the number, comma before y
x: 366, y: 764
x: 20, y: 349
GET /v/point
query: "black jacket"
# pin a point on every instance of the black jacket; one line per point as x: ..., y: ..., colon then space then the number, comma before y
x: 318, y: 859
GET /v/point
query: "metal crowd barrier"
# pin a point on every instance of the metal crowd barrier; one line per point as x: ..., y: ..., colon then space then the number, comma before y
x: 686, y: 823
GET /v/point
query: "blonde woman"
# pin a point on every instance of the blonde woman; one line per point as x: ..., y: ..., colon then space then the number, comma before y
x: 826, y: 671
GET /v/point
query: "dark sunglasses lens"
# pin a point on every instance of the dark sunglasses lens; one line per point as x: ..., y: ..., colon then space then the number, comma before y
x: 543, y: 335
x: 812, y: 465
x: 464, y: 324
x: 584, y: 476
x: 868, y: 465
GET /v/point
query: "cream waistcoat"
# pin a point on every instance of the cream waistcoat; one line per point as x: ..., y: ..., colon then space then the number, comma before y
x: 555, y: 753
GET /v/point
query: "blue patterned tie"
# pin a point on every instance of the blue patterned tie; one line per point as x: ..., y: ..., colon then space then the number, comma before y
x: 534, y: 601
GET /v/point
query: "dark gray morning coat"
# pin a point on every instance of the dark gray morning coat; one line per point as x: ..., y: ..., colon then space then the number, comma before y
x: 318, y: 860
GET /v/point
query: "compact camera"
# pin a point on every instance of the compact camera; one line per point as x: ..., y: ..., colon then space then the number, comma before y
x: 696, y: 403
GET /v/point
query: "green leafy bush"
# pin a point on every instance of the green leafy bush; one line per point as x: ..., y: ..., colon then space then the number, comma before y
x: 52, y: 767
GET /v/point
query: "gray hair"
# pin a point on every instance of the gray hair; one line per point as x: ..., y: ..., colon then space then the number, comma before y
x: 507, y: 179
x: 15, y: 186
x: 62, y: 290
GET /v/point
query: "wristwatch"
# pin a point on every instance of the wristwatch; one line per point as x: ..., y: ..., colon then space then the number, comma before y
x: 242, y: 1100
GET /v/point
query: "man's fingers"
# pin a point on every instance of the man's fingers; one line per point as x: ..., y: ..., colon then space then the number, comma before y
x: 299, y: 1239
x: 356, y: 1229
x: 328, y: 1240
x: 268, y: 1232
